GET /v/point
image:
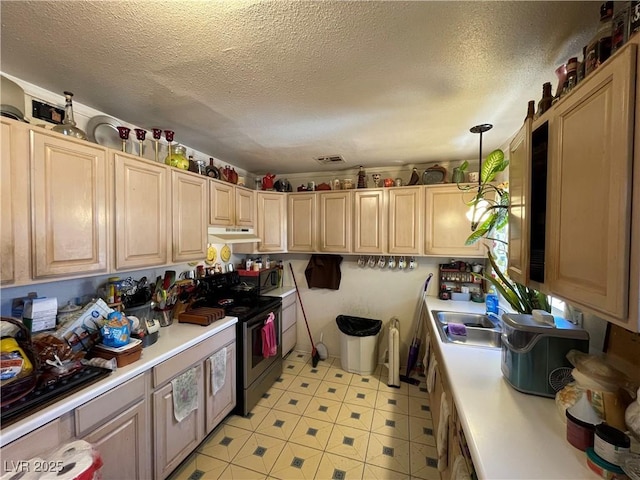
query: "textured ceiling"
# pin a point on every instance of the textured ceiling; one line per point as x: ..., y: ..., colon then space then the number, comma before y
x: 272, y: 85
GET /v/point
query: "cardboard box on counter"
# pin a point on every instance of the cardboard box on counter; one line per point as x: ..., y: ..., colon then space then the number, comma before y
x: 39, y: 314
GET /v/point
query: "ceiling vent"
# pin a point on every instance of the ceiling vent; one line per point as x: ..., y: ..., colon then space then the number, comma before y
x: 330, y: 160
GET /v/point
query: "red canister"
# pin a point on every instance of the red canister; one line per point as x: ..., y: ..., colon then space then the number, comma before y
x: 579, y: 434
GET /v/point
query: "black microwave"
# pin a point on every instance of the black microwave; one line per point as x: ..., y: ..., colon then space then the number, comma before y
x: 264, y: 280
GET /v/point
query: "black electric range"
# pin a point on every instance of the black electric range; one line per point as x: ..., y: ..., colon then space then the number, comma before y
x: 255, y: 372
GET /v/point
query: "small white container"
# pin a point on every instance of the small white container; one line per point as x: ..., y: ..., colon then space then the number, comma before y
x: 460, y: 297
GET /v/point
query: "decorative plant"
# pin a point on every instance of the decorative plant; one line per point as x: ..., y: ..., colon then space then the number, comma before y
x: 490, y: 214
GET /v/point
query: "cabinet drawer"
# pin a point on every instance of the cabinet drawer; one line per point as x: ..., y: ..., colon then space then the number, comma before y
x: 168, y: 369
x: 93, y: 413
x: 289, y: 317
x: 288, y: 300
x: 289, y: 337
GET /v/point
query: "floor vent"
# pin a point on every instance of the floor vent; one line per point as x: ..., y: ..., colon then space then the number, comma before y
x: 330, y: 159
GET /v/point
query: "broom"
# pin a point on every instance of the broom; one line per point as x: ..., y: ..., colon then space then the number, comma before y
x: 315, y: 356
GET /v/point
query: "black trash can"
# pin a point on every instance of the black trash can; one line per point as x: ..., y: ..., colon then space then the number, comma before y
x: 358, y: 343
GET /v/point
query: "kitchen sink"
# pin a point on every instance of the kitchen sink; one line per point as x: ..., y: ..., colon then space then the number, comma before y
x: 479, y: 330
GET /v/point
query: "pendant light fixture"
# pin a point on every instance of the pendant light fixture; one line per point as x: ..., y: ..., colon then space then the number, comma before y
x: 479, y: 206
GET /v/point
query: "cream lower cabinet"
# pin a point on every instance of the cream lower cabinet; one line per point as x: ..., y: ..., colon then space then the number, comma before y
x: 230, y: 205
x: 14, y: 199
x: 271, y: 222
x: 189, y: 206
x: 220, y: 404
x: 447, y: 226
x: 70, y: 197
x: 289, y: 323
x: 142, y: 237
x: 369, y: 221
x: 334, y: 218
x: 301, y: 222
x: 590, y: 247
x: 405, y: 220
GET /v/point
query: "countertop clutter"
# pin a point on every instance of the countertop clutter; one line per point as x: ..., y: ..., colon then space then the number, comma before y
x: 173, y: 339
x: 510, y: 434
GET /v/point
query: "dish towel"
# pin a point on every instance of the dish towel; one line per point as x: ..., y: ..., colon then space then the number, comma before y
x: 269, y: 341
x: 460, y: 470
x: 185, y: 393
x: 218, y: 365
x: 431, y: 374
x: 443, y: 434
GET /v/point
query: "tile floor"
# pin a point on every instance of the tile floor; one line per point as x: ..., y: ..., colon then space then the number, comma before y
x: 323, y: 423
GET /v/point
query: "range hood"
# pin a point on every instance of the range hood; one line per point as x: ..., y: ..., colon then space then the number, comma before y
x: 232, y: 235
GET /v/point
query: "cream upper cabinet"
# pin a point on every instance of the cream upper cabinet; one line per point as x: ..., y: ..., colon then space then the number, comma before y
x: 590, y: 203
x: 519, y: 167
x: 301, y: 222
x: 230, y: 205
x: 245, y: 207
x: 334, y: 221
x: 141, y: 213
x: 369, y: 220
x: 14, y: 200
x: 447, y: 225
x: 189, y: 207
x: 405, y: 220
x: 271, y: 221
x: 70, y: 199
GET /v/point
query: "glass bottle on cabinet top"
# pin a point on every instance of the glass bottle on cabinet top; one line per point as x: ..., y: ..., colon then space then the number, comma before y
x: 68, y: 125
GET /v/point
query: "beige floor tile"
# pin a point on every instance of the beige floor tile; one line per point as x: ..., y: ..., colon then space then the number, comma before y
x: 284, y: 381
x: 270, y: 398
x: 365, y: 381
x: 225, y: 443
x: 337, y: 467
x: 348, y: 442
x: 392, y: 402
x: 421, y: 431
x: 356, y: 416
x: 331, y: 390
x: 361, y: 396
x: 419, y: 407
x: 298, y: 356
x: 251, y: 421
x: 390, y: 424
x: 323, y: 409
x: 338, y: 375
x: 317, y: 373
x: 297, y: 461
x: 293, y: 402
x: 373, y: 472
x: 279, y: 424
x: 184, y: 470
x: 419, y: 390
x: 259, y: 453
x: 424, y: 463
x: 383, y: 385
x: 332, y: 362
x: 307, y: 386
x: 234, y: 472
x: 292, y: 368
x: 312, y: 432
x: 212, y: 467
x: 388, y: 452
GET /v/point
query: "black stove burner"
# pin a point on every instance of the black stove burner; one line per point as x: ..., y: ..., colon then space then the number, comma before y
x: 45, y: 395
x: 239, y: 310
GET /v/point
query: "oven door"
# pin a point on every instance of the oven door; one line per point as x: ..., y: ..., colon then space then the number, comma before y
x: 254, y: 362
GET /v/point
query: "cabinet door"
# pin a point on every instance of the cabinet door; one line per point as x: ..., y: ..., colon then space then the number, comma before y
x: 69, y: 192
x: 123, y: 444
x: 174, y: 440
x: 447, y: 225
x: 14, y: 200
x: 369, y: 221
x: 189, y: 199
x: 224, y: 400
x: 405, y: 220
x: 271, y: 221
x: 289, y: 323
x: 301, y: 222
x: 335, y: 222
x: 519, y: 167
x: 221, y: 203
x: 245, y: 207
x: 141, y: 206
x: 590, y: 201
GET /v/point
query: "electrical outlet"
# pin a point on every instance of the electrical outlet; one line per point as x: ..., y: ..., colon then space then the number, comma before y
x: 578, y: 317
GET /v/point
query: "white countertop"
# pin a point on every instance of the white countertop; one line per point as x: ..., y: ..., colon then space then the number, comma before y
x: 511, y: 435
x: 281, y: 292
x: 172, y: 340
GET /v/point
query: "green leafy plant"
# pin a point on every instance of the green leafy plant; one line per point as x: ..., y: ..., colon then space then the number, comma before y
x: 490, y: 213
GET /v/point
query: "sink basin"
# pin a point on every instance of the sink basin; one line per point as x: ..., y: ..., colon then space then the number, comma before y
x: 481, y: 330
